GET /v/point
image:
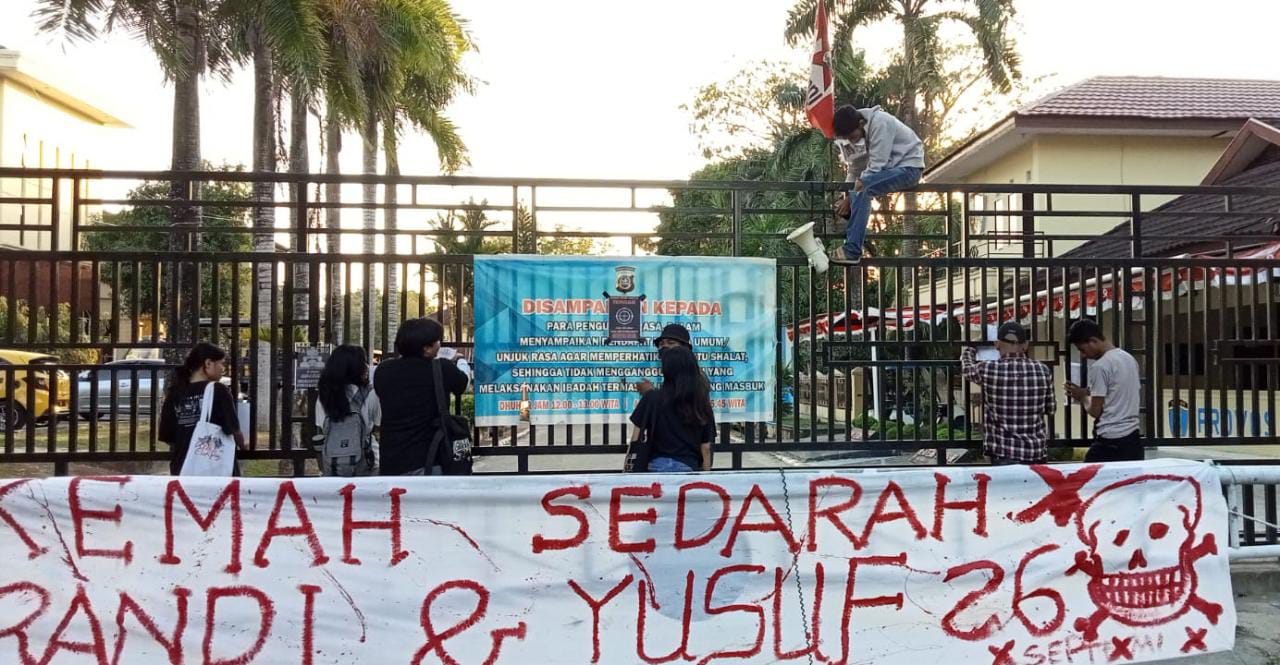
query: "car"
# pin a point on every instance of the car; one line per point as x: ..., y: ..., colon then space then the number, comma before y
x: 152, y: 376
x: 30, y: 399
x: 150, y: 372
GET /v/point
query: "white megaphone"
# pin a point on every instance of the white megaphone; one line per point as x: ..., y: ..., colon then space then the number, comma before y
x: 803, y: 238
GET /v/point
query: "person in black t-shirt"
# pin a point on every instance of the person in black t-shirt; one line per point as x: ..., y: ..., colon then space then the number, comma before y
x: 677, y: 416
x: 406, y: 390
x: 182, y: 401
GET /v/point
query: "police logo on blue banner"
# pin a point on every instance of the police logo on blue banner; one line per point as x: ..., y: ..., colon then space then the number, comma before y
x: 577, y: 333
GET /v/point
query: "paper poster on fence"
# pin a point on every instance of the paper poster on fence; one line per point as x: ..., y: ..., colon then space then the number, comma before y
x: 1010, y: 566
x: 544, y: 329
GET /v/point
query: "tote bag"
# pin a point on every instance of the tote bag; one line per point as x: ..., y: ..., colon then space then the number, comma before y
x: 212, y: 452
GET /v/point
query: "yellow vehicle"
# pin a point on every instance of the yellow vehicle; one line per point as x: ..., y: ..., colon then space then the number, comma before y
x: 31, y: 401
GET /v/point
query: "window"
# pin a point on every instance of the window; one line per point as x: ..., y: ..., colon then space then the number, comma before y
x: 1250, y: 375
x: 1187, y: 360
x: 978, y: 224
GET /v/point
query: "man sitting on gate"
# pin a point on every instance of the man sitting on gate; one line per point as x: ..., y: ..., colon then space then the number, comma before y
x: 894, y: 162
x: 1017, y: 394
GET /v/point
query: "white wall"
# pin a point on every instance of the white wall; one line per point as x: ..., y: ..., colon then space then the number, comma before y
x: 38, y: 132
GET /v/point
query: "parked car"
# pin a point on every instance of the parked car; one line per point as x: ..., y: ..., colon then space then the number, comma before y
x: 30, y: 399
x: 121, y: 373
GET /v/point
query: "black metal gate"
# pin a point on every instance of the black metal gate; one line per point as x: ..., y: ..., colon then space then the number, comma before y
x: 106, y: 294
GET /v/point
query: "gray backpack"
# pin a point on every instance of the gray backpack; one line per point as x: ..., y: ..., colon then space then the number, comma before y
x: 344, y: 449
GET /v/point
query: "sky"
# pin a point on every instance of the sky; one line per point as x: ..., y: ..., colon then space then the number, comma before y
x: 593, y: 88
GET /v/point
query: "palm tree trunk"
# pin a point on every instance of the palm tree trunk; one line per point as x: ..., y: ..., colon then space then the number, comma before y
x: 299, y: 163
x: 910, y: 246
x: 264, y: 161
x: 332, y: 222
x: 391, y: 150
x: 185, y: 157
x: 370, y: 219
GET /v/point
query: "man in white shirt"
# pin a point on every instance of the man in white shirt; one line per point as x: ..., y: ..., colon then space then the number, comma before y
x: 1113, y: 395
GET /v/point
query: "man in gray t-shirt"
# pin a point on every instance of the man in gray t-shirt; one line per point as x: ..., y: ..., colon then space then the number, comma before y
x: 1112, y: 396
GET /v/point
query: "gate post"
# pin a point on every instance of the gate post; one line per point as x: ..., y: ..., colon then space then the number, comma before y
x: 1135, y: 225
x: 736, y: 200
x: 1028, y: 226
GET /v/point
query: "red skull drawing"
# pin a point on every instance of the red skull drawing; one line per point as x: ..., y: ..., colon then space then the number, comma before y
x: 1142, y: 553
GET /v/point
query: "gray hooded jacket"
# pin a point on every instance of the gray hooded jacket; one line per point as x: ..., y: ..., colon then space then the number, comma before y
x: 890, y: 143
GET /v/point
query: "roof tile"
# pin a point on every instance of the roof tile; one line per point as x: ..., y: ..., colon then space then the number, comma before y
x: 1157, y: 97
x: 1183, y: 231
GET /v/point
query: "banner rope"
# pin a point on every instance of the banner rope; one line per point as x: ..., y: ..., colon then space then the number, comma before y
x: 795, y: 566
x: 1253, y: 518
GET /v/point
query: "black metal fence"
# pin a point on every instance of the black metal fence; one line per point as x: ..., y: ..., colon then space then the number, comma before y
x: 867, y: 356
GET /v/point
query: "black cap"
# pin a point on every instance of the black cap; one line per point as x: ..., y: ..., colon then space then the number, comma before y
x: 1012, y: 332
x: 676, y: 332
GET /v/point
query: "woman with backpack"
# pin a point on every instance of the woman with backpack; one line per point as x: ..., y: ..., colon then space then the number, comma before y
x: 347, y: 413
x: 675, y: 420
x: 183, y: 405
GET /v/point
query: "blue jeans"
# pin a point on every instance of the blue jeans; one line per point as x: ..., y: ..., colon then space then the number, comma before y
x: 668, y: 465
x: 879, y: 183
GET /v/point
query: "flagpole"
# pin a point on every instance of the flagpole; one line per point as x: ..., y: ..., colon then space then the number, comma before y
x: 820, y: 98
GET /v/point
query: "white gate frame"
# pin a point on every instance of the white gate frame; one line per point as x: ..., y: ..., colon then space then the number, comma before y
x: 1234, y: 478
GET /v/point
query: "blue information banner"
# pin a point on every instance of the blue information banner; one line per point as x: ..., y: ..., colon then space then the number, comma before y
x: 542, y: 327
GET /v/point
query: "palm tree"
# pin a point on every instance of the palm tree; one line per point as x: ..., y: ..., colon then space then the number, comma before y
x: 462, y: 232
x: 187, y: 39
x: 917, y: 75
x: 419, y: 102
x: 282, y: 40
x: 413, y: 82
x: 353, y: 34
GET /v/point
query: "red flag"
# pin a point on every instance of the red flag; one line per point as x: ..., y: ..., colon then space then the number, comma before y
x: 820, y: 97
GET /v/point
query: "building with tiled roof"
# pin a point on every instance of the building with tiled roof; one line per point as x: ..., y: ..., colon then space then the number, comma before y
x: 1199, y: 112
x: 1218, y: 227
x: 1101, y: 131
x: 47, y: 122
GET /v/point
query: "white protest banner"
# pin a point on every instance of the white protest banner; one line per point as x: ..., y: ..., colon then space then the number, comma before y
x: 1011, y: 565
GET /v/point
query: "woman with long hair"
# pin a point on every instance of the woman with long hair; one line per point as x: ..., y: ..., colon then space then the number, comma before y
x: 183, y: 397
x: 677, y: 417
x: 345, y: 392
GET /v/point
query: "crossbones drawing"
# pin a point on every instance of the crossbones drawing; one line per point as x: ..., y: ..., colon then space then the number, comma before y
x: 1142, y: 552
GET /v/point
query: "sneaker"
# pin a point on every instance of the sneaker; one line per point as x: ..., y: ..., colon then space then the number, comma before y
x: 839, y: 256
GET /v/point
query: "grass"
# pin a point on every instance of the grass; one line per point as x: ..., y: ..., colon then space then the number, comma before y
x: 39, y: 439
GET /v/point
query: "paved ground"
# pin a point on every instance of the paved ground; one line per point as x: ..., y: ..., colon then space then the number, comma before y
x: 1257, y: 587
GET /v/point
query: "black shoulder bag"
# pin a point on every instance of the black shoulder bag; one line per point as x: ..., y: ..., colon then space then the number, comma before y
x: 640, y: 451
x: 453, y: 433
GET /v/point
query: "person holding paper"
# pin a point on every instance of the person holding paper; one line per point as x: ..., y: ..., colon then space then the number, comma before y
x: 406, y: 391
x: 1112, y: 397
x: 1017, y: 394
